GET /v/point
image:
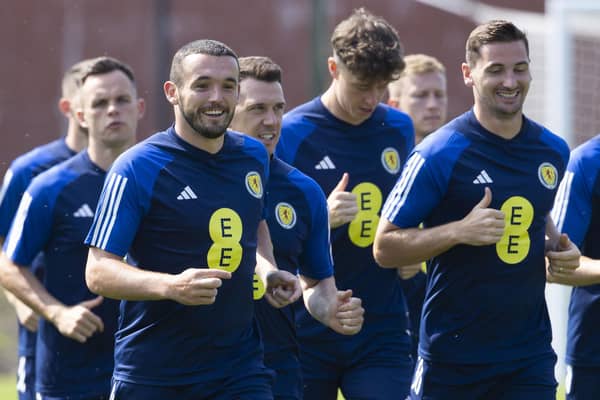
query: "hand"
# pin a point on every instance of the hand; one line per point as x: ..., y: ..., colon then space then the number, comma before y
x: 346, y: 316
x: 78, y: 322
x: 282, y: 288
x: 197, y: 286
x: 26, y: 316
x: 341, y: 204
x: 482, y: 226
x: 563, y: 261
x: 408, y: 271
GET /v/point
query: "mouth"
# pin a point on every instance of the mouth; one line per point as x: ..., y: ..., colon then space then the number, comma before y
x: 213, y: 112
x: 508, y: 94
x: 267, y: 136
x: 115, y: 125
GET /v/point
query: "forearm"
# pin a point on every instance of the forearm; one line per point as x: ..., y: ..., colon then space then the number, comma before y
x: 394, y: 247
x: 319, y: 296
x: 587, y: 274
x: 25, y: 287
x: 265, y: 260
x: 109, y: 276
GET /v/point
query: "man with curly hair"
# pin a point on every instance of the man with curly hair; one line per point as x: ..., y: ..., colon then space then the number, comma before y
x: 354, y: 147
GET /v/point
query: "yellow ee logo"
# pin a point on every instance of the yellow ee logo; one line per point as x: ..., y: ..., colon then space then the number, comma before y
x: 285, y: 215
x: 225, y: 229
x: 254, y: 184
x: 258, y: 288
x: 390, y: 160
x: 514, y: 245
x: 362, y: 228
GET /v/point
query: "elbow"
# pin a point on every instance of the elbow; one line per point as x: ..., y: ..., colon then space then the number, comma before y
x: 382, y: 256
x: 93, y: 279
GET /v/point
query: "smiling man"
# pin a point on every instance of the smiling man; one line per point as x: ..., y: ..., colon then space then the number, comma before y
x: 187, y: 208
x: 483, y: 186
x: 297, y: 219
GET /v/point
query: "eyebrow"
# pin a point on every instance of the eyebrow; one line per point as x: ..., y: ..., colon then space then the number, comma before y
x: 208, y: 77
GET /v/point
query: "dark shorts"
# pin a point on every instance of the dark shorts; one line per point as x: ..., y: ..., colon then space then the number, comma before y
x: 376, y: 368
x: 516, y: 380
x: 26, y: 378
x: 288, y: 375
x: 242, y: 385
x: 582, y: 383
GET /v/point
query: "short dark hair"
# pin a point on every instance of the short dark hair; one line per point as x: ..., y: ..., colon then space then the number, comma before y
x: 203, y: 46
x: 368, y: 46
x: 104, y: 65
x: 71, y: 81
x: 495, y: 31
x: 259, y: 68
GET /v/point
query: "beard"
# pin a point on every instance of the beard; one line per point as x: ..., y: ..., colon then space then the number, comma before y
x: 207, y: 129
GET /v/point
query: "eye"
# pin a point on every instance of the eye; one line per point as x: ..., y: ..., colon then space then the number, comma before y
x: 124, y: 100
x: 99, y: 103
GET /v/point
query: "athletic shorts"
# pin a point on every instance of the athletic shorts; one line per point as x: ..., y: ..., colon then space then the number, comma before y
x: 377, y: 367
x: 516, y: 380
x: 244, y: 385
x: 582, y: 383
x: 26, y: 378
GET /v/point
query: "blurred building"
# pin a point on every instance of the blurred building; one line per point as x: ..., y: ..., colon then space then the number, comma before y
x: 41, y: 39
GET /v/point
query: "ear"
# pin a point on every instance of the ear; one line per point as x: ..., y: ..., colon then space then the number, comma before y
x: 170, y: 90
x: 81, y: 119
x: 141, y: 106
x: 64, y: 106
x: 332, y: 67
x: 467, y: 77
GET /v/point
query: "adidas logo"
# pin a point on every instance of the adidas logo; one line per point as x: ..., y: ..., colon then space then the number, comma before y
x: 325, y: 163
x: 482, y: 178
x: 187, y: 194
x: 84, y: 212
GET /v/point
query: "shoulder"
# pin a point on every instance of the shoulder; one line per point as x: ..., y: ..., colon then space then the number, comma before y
x: 552, y: 140
x: 249, y: 145
x: 40, y: 155
x: 587, y: 154
x: 447, y: 142
x: 53, y: 180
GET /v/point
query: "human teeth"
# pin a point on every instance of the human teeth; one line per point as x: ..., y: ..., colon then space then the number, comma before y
x: 267, y: 136
x: 213, y: 113
x: 508, y: 95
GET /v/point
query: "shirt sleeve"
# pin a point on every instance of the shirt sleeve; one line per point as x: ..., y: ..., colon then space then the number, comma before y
x: 316, y: 261
x: 416, y: 193
x: 120, y: 209
x: 13, y: 187
x: 32, y: 224
x: 572, y: 209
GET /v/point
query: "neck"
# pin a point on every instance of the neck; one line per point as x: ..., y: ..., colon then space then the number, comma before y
x: 506, y: 128
x: 331, y: 103
x: 76, y: 139
x: 104, y: 156
x: 187, y: 133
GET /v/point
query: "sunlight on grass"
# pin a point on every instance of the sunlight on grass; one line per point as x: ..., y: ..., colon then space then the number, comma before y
x: 7, y: 387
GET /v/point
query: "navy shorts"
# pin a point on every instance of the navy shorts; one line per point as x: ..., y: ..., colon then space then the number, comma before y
x: 244, y: 385
x: 516, y: 380
x: 288, y: 375
x: 377, y: 367
x: 26, y: 378
x: 582, y: 383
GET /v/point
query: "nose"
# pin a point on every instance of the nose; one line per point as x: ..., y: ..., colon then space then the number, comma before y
x: 270, y: 118
x: 510, y: 80
x: 432, y: 101
x: 216, y: 94
x: 113, y: 108
x: 373, y: 96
